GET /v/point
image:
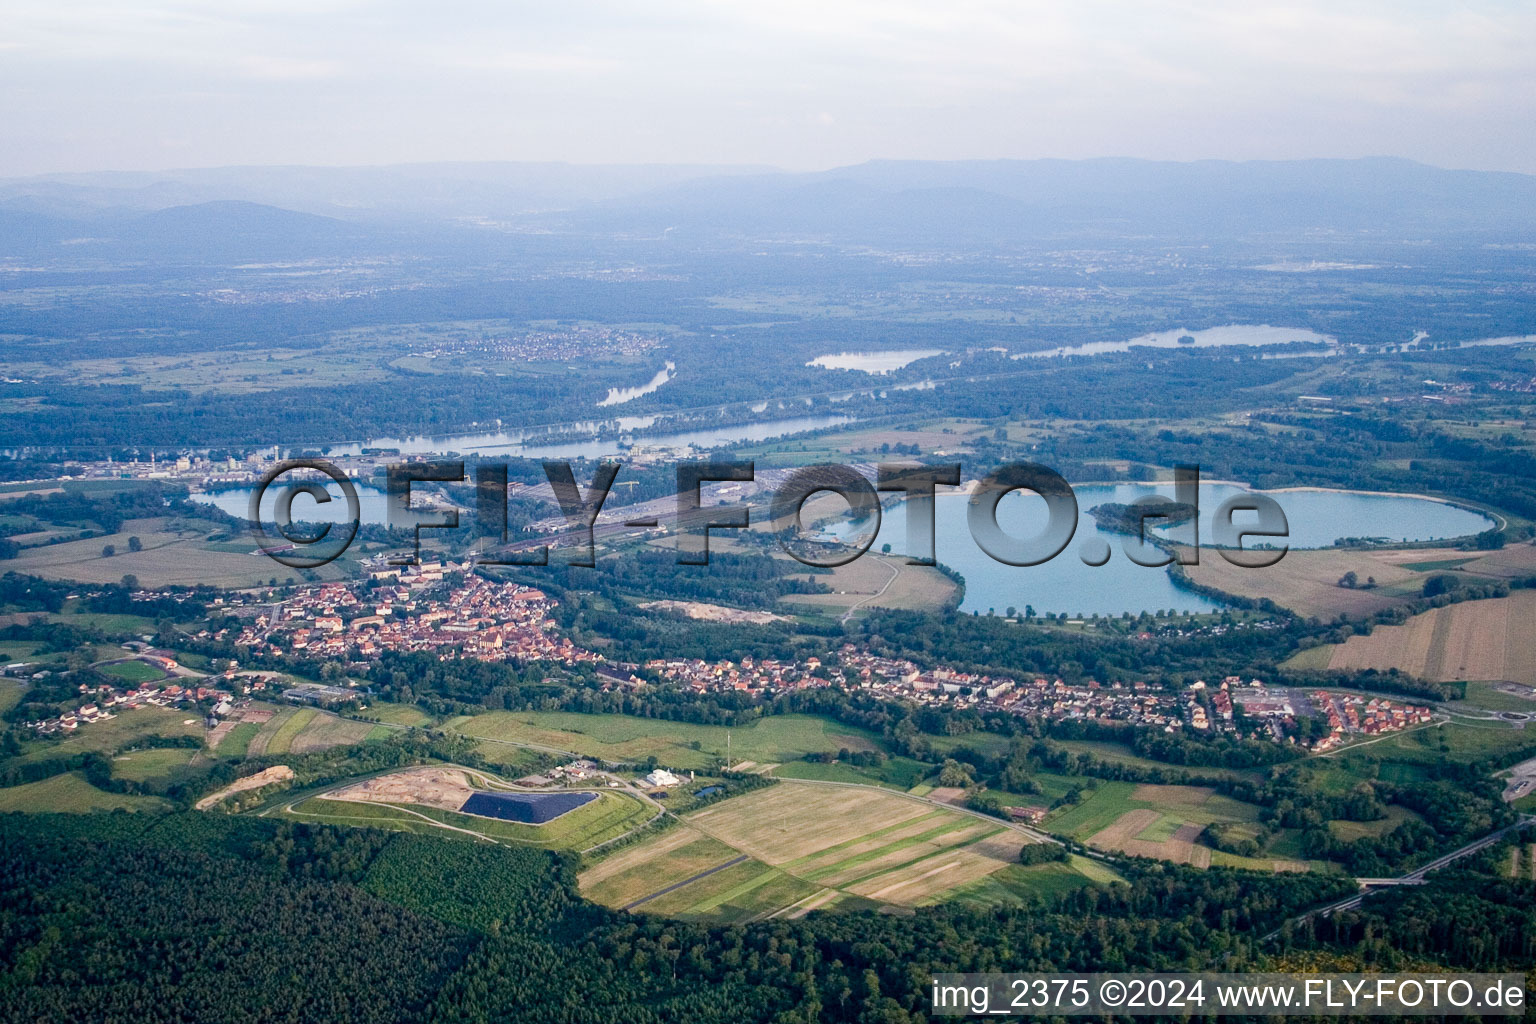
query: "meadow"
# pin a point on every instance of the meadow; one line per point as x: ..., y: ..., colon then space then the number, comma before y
x: 70, y: 793
x: 1488, y: 696
x: 901, y: 773
x: 10, y: 694
x: 1349, y: 831
x: 626, y: 738
x: 395, y: 714
x: 878, y: 582
x: 176, y: 552
x: 1020, y: 884
x: 1411, y: 754
x: 145, y: 765
x: 237, y: 741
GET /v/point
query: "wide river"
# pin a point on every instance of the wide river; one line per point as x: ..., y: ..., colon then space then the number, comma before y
x: 530, y: 444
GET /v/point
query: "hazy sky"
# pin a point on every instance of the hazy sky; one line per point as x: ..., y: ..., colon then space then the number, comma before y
x: 795, y: 83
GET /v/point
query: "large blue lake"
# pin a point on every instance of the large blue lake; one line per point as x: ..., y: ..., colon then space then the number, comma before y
x: 1065, y: 584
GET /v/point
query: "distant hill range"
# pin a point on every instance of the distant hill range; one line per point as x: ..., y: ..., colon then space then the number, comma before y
x: 911, y: 203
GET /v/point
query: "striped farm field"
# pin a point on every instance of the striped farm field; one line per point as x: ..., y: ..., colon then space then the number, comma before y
x: 702, y: 896
x: 925, y: 880
x: 788, y: 821
x: 1484, y: 640
x: 325, y: 731
x: 283, y: 735
x: 306, y: 730
x: 638, y: 871
x: 796, y: 847
x: 849, y: 872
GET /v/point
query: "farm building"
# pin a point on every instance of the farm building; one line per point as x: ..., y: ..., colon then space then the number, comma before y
x: 661, y: 777
x: 315, y: 693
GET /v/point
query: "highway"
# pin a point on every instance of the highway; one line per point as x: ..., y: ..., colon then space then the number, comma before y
x: 1414, y: 877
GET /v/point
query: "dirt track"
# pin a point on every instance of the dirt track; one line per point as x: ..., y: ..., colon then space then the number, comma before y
x: 443, y: 788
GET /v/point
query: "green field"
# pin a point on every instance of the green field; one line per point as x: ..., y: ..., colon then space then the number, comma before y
x: 1349, y: 831
x: 10, y: 694
x: 174, y: 552
x: 1333, y: 776
x: 1020, y: 883
x: 1286, y: 842
x: 1460, y: 741
x: 144, y: 765
x: 283, y: 738
x: 346, y: 812
x: 897, y: 773
x: 1314, y: 658
x: 1099, y: 809
x: 238, y: 740
x: 71, y: 794
x: 1052, y: 788
x: 107, y: 622
x: 1484, y: 695
x: 1438, y: 564
x: 776, y: 739
x: 132, y: 671
x: 1158, y: 821
x: 990, y: 743
x: 396, y: 714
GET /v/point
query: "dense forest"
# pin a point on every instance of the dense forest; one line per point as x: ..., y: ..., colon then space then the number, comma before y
x: 236, y: 919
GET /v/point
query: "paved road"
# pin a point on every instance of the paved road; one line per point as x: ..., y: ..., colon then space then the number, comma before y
x: 678, y: 885
x: 1411, y: 878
